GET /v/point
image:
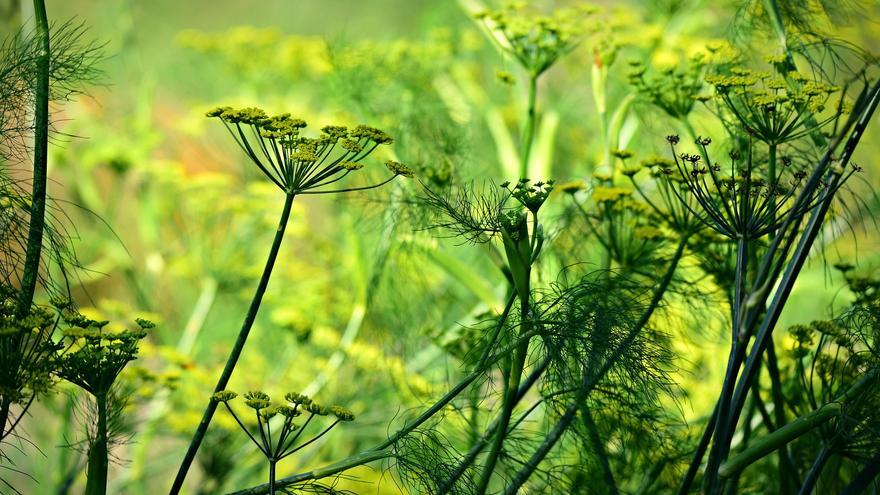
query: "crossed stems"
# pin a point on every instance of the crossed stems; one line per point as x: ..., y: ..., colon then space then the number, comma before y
x: 721, y: 424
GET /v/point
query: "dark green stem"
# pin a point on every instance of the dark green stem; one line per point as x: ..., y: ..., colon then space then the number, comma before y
x: 718, y: 452
x: 235, y: 353
x: 787, y: 472
x: 815, y: 470
x: 96, y: 474
x: 272, y: 463
x: 33, y: 251
x: 512, y: 381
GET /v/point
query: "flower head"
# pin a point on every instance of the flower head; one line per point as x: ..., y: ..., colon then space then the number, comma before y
x: 299, y: 164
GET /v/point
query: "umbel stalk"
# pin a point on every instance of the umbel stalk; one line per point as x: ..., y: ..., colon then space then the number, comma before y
x: 235, y: 353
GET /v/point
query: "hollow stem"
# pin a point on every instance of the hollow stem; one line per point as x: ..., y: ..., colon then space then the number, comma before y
x: 237, y: 348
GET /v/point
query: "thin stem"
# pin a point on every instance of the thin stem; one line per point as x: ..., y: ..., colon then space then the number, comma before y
x: 477, y: 447
x: 237, y: 348
x: 815, y: 471
x: 529, y: 130
x: 37, y: 223
x: 512, y: 381
x: 698, y: 455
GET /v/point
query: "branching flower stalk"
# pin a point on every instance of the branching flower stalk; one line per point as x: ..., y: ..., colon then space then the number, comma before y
x: 536, y: 43
x: 285, y: 442
x: 297, y: 165
x: 858, y: 122
x: 490, y: 356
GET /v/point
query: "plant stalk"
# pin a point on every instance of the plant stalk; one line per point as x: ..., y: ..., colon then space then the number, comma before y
x: 96, y: 474
x: 235, y: 353
x: 37, y: 224
x: 529, y: 130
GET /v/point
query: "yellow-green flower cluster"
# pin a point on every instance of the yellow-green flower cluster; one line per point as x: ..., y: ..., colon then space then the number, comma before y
x: 27, y: 353
x: 531, y: 196
x: 673, y: 90
x: 776, y: 108
x: 96, y: 356
x: 278, y: 443
x: 297, y: 164
x: 535, y: 41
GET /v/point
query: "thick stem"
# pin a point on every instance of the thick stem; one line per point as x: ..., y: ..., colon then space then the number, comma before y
x: 96, y: 474
x: 529, y: 130
x: 33, y: 251
x: 776, y: 440
x: 235, y: 353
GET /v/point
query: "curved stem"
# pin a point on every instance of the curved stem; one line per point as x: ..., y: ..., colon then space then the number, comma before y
x: 235, y: 353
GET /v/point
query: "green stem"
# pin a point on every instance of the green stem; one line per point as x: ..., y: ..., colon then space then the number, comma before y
x: 718, y: 452
x: 336, y: 468
x: 272, y: 463
x: 815, y: 471
x: 33, y: 251
x: 235, y: 353
x: 529, y: 130
x: 779, y: 438
x: 795, y: 429
x: 510, y: 400
x: 787, y: 472
x: 96, y: 474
